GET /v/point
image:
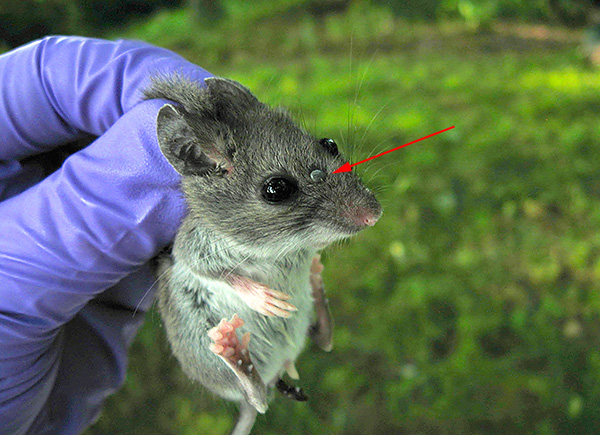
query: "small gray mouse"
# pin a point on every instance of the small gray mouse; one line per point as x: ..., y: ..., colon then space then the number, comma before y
x: 239, y: 291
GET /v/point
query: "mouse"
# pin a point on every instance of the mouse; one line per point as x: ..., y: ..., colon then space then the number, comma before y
x: 240, y: 291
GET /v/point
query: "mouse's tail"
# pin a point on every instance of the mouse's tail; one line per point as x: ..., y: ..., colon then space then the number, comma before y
x: 245, y: 420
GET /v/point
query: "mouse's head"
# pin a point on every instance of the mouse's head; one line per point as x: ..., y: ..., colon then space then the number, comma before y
x: 252, y: 176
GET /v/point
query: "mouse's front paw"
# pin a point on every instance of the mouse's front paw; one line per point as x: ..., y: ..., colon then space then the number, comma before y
x: 261, y: 298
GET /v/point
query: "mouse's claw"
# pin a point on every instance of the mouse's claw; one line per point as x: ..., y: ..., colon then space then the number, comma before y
x: 291, y: 370
x: 261, y: 298
x: 234, y: 353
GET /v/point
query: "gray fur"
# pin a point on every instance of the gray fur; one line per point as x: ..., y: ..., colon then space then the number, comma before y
x: 226, y: 143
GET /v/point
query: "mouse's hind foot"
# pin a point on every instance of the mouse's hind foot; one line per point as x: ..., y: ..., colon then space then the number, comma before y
x: 234, y: 353
x: 321, y: 332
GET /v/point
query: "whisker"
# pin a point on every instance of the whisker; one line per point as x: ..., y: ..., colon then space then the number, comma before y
x: 344, y: 140
x: 225, y: 274
x: 137, y: 307
x: 362, y: 139
x: 268, y: 87
x: 376, y: 173
x: 360, y: 84
x: 378, y: 147
x: 365, y: 73
x: 350, y: 115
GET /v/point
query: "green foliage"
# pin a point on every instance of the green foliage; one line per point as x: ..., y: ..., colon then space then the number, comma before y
x: 477, y: 14
x: 26, y: 20
x: 473, y: 306
x: 480, y: 14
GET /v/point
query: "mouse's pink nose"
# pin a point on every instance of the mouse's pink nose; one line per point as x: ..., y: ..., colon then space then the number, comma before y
x: 370, y: 219
x: 365, y: 217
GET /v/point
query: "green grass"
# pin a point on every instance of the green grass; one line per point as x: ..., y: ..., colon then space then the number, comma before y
x: 473, y: 306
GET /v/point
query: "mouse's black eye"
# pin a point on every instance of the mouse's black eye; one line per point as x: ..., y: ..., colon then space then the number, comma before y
x: 330, y: 146
x: 278, y: 189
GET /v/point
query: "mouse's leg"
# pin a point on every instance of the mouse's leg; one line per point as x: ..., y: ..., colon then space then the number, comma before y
x: 235, y: 354
x: 245, y: 420
x: 322, y: 330
x: 260, y: 297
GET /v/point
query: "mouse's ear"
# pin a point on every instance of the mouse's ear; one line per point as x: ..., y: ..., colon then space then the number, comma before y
x: 186, y: 151
x: 230, y: 99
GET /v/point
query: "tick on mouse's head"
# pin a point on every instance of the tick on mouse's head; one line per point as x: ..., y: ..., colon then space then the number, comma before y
x: 252, y: 175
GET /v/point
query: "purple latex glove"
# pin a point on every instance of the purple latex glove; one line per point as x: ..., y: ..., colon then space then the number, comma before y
x: 75, y: 246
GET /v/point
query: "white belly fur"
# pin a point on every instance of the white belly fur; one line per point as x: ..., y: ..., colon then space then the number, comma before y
x: 273, y: 339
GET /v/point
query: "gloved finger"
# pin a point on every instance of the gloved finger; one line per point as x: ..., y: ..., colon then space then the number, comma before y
x: 56, y: 89
x: 108, y: 210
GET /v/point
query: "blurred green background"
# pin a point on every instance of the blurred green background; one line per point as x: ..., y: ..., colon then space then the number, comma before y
x: 473, y: 306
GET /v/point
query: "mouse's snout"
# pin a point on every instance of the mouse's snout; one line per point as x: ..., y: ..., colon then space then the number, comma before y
x: 369, y: 219
x: 365, y: 217
x: 364, y: 213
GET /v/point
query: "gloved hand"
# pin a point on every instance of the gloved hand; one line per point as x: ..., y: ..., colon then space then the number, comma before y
x: 75, y: 246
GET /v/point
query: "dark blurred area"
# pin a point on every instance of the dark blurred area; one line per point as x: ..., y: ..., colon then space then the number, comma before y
x: 23, y: 21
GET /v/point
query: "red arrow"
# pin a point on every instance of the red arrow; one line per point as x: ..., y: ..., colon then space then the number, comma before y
x: 347, y: 167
